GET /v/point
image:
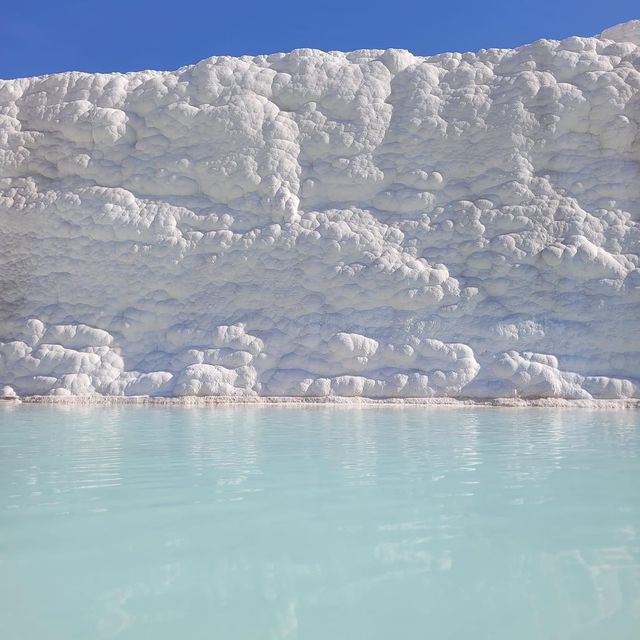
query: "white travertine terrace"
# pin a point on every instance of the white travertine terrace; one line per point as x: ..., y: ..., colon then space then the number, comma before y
x: 327, y: 224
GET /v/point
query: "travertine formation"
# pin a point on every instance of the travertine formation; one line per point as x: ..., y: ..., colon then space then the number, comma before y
x: 311, y: 224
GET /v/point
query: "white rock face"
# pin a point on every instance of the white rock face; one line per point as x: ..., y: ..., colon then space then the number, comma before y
x: 309, y: 224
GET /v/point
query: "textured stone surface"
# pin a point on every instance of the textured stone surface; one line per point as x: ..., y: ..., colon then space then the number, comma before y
x: 357, y: 224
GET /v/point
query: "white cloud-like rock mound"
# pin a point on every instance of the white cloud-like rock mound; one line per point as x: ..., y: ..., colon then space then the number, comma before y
x: 310, y: 224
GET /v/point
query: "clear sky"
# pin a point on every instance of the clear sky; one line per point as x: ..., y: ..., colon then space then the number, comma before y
x: 46, y: 36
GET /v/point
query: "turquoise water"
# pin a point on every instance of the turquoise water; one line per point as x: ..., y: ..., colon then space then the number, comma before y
x: 319, y: 523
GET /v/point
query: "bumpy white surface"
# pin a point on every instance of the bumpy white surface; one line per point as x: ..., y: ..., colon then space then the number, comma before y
x: 313, y: 224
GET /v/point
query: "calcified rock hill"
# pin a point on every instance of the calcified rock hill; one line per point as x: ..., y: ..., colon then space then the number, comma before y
x: 359, y: 224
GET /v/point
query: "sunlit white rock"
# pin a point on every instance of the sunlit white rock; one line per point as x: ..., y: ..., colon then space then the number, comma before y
x: 368, y: 223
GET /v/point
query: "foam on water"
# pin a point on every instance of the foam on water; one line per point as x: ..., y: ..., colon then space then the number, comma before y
x: 315, y: 523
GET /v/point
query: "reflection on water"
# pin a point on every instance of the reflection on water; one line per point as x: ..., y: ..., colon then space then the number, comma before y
x: 327, y: 522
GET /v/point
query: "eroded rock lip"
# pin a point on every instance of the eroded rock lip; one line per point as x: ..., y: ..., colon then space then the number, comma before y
x: 366, y: 224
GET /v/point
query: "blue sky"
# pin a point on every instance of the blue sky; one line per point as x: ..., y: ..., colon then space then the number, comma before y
x: 46, y: 36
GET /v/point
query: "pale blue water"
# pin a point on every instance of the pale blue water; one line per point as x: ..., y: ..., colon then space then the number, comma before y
x: 319, y: 523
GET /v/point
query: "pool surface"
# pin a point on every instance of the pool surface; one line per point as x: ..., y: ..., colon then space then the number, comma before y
x: 324, y: 523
